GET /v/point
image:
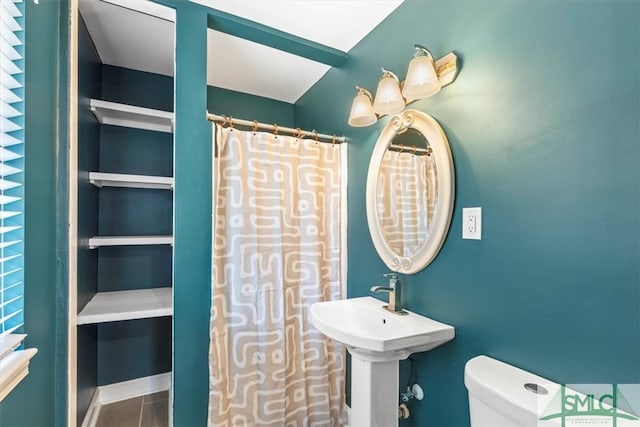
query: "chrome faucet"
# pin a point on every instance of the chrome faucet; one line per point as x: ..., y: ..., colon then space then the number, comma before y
x: 395, y: 294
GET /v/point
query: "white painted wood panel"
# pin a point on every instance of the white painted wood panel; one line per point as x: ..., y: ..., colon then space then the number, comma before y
x: 113, y: 113
x: 102, y: 179
x: 127, y: 305
x: 98, y: 241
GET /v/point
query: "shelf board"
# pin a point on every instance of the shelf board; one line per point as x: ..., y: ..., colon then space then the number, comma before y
x: 113, y: 113
x: 127, y: 305
x: 101, y: 179
x: 98, y: 241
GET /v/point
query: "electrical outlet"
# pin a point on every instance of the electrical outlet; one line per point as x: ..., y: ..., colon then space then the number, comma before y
x: 472, y: 223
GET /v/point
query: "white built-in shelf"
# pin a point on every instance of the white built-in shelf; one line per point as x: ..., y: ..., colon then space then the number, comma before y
x: 127, y: 305
x: 98, y: 241
x: 101, y: 179
x: 113, y: 113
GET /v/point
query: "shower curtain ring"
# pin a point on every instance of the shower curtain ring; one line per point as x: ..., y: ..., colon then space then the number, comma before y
x: 275, y: 129
x: 231, y: 122
x: 255, y: 126
x: 298, y: 133
x: 333, y: 141
x: 315, y: 136
x: 413, y: 149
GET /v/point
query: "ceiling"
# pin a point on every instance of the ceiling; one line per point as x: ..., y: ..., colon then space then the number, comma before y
x: 139, y: 34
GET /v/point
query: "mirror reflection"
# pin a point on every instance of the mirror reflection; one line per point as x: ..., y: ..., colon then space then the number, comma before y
x: 406, y: 193
x: 410, y: 191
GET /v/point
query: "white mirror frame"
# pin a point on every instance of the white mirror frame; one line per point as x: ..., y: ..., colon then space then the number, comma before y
x: 431, y: 130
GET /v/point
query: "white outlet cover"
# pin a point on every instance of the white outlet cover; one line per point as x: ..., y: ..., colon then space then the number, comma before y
x: 472, y: 223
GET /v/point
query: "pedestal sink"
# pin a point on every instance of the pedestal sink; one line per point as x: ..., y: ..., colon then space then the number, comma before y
x: 377, y: 340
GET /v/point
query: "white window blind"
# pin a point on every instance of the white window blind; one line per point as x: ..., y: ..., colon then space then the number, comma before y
x: 11, y: 166
x: 14, y: 363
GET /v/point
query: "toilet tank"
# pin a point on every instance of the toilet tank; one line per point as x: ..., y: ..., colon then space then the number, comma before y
x: 501, y: 395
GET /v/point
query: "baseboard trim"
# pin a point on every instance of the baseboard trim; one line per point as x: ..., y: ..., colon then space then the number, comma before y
x: 91, y: 417
x: 122, y: 391
x: 134, y: 388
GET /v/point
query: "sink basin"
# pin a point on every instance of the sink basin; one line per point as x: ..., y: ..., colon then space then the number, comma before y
x: 375, y: 334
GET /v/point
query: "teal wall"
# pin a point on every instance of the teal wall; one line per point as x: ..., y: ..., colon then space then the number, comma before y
x: 192, y: 221
x: 249, y: 107
x: 39, y: 399
x: 543, y: 123
x: 137, y: 88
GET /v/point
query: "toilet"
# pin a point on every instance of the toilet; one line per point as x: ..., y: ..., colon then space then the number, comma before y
x: 501, y: 395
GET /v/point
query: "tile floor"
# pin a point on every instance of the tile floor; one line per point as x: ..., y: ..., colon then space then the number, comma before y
x: 146, y: 411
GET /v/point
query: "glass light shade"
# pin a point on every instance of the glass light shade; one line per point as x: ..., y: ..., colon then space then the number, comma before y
x: 422, y: 79
x: 388, y: 99
x: 362, y: 113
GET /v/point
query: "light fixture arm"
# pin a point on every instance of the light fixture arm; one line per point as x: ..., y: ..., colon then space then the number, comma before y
x: 366, y: 92
x: 421, y: 50
x: 386, y: 73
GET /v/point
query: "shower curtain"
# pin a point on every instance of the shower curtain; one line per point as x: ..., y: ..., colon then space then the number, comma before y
x: 276, y: 251
x: 406, y: 196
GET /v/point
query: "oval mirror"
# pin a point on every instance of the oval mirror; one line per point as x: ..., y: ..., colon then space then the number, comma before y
x: 410, y: 191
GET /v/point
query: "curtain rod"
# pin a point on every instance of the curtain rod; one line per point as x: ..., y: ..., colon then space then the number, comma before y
x: 255, y: 125
x: 410, y: 149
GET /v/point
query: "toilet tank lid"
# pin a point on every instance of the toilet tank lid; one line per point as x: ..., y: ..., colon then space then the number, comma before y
x: 492, y: 380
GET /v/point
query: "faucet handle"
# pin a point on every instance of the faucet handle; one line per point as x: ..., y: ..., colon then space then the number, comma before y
x: 393, y: 280
x: 393, y: 277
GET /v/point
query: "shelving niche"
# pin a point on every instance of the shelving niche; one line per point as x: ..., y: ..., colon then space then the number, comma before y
x: 121, y: 307
x: 117, y: 114
x: 125, y: 290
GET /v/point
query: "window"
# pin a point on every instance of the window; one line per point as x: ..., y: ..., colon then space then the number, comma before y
x: 13, y: 364
x: 11, y: 168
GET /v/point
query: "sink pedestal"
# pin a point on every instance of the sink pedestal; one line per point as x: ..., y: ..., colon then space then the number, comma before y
x: 374, y: 393
x: 377, y: 340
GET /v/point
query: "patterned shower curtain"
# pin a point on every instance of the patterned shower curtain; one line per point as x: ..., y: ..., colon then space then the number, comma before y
x: 405, y: 199
x: 276, y: 251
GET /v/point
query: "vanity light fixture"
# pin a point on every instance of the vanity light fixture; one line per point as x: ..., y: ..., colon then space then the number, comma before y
x: 362, y: 113
x: 425, y: 78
